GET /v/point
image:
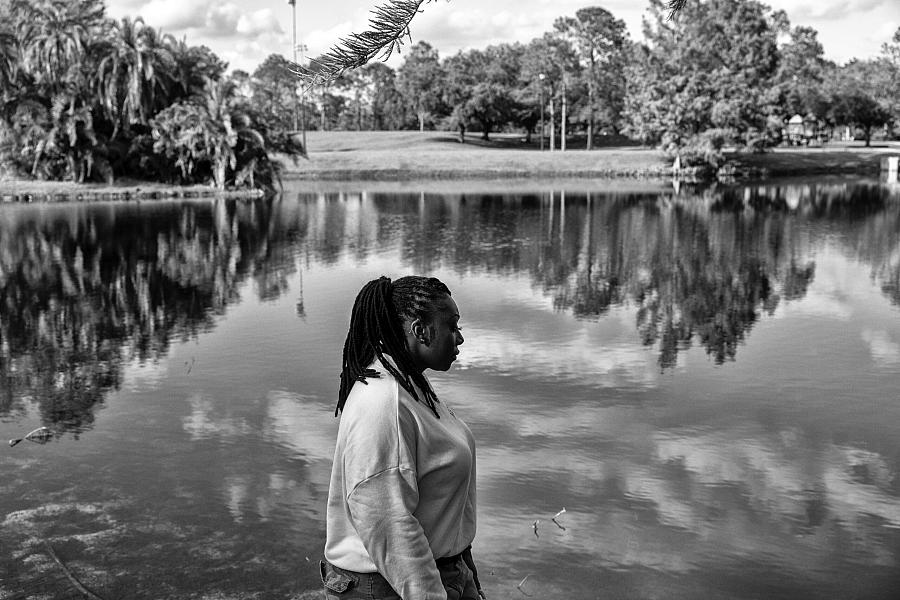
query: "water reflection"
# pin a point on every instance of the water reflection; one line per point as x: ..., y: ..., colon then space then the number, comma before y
x: 705, y: 380
x: 86, y: 289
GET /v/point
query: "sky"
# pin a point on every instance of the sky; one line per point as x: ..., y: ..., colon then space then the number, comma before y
x: 245, y: 32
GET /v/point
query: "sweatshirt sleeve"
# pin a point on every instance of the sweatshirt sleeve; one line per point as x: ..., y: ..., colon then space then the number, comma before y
x: 382, y: 509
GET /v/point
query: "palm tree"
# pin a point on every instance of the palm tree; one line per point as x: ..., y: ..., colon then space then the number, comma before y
x: 54, y: 36
x: 57, y: 41
x: 197, y: 134
x: 131, y: 76
x: 9, y: 73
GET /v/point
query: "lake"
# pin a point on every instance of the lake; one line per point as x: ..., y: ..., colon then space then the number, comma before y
x: 707, y: 380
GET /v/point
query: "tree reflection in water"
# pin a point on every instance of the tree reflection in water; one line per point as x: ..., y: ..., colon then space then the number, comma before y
x: 87, y: 289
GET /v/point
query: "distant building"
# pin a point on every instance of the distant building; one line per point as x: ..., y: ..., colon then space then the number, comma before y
x: 802, y: 130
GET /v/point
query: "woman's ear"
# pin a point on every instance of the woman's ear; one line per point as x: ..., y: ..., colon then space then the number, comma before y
x: 419, y: 331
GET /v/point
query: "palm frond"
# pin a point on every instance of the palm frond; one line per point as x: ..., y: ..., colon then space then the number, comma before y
x: 388, y: 26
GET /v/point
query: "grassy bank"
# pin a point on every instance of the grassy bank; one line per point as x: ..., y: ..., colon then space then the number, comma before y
x: 408, y: 156
x: 20, y: 190
x: 342, y: 155
x: 835, y: 158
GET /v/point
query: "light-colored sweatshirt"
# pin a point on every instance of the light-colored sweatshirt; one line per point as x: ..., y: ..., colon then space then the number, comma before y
x: 402, y: 488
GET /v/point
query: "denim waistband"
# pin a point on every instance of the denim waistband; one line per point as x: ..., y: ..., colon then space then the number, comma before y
x: 377, y: 580
x: 446, y: 561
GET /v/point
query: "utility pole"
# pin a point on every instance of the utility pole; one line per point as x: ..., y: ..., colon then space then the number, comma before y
x: 541, y: 79
x: 299, y: 111
x: 552, y: 123
x: 303, y: 48
x: 293, y: 4
x: 563, y: 124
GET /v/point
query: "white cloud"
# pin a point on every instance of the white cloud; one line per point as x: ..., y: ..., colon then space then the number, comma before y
x: 174, y: 15
x: 260, y: 22
x: 221, y: 20
x: 885, y: 352
x: 830, y: 9
x: 847, y: 29
x: 320, y: 40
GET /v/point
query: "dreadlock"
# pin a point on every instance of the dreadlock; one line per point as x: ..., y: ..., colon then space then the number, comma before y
x: 376, y: 329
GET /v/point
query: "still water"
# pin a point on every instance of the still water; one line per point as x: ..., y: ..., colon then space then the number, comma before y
x: 707, y: 382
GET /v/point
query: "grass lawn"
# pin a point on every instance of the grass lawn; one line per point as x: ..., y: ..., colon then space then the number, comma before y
x: 436, y: 156
x: 403, y: 155
x: 836, y: 157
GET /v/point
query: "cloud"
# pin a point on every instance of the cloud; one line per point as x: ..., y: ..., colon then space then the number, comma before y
x: 454, y: 29
x: 206, y: 19
x: 175, y: 15
x: 260, y: 22
x: 885, y: 352
x: 221, y: 21
x: 321, y: 40
x: 830, y: 10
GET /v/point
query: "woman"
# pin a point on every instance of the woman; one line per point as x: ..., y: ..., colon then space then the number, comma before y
x: 401, y: 506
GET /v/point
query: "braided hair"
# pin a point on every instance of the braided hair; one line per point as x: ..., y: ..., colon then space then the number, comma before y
x: 376, y: 329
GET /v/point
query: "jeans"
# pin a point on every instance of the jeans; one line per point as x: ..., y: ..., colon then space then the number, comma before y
x: 341, y: 584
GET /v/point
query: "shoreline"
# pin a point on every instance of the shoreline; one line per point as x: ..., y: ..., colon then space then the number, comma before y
x: 24, y: 190
x: 437, y: 158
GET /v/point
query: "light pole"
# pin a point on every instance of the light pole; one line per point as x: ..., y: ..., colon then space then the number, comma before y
x: 293, y: 4
x: 302, y: 48
x: 541, y: 77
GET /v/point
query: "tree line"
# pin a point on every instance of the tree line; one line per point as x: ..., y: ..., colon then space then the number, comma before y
x: 719, y: 73
x: 85, y: 97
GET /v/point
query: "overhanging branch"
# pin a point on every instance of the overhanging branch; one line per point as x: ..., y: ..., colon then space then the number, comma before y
x: 388, y: 26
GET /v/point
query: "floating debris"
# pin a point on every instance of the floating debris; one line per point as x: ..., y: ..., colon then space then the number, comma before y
x: 522, y: 583
x: 39, y: 436
x: 72, y: 579
x: 553, y: 518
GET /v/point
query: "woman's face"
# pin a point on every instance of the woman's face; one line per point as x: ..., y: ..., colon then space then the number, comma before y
x: 442, y: 336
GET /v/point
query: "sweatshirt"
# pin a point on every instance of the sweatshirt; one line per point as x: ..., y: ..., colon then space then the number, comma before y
x: 402, y: 489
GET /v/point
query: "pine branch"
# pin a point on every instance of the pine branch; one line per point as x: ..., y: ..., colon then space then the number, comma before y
x: 388, y: 26
x: 675, y: 7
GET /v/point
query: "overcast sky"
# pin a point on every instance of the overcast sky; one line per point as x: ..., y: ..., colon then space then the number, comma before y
x: 244, y: 32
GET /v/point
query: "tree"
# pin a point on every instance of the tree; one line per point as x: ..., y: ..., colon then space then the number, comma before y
x: 198, y: 136
x: 388, y: 27
x: 419, y: 80
x: 860, y: 110
x: 132, y: 74
x: 387, y: 108
x: 273, y: 92
x: 54, y: 36
x: 801, y: 73
x: 58, y: 41
x: 711, y: 68
x: 479, y: 88
x: 601, y: 41
x: 194, y: 67
x: 890, y: 78
x: 457, y: 90
x: 552, y: 62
